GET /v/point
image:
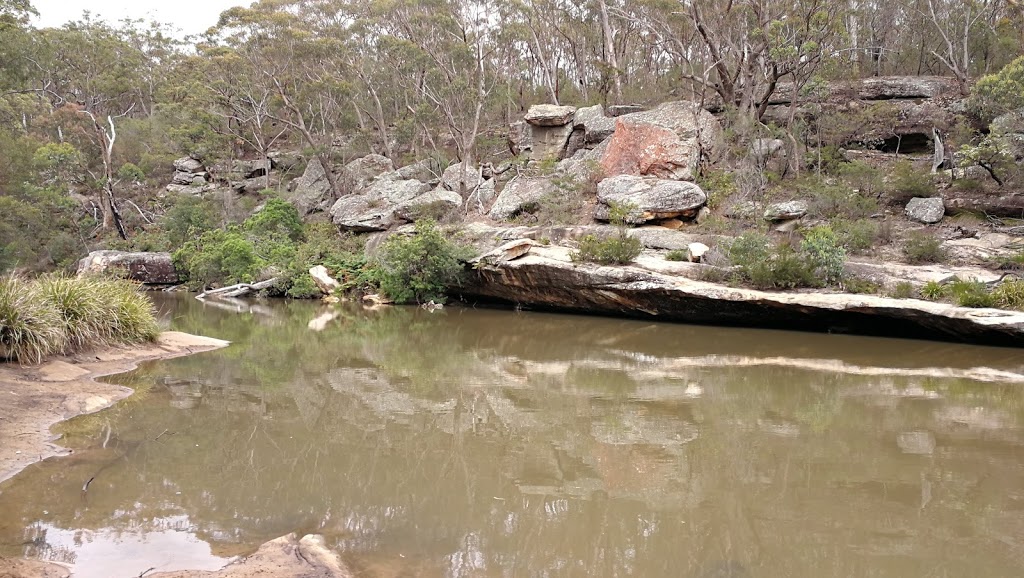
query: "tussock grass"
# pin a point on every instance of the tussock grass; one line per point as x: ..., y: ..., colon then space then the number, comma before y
x: 59, y: 315
x: 30, y: 326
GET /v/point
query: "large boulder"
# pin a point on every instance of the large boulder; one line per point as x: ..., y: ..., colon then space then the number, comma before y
x: 668, y: 142
x: 549, y: 142
x: 549, y: 115
x: 373, y: 209
x: 362, y: 171
x: 787, y: 211
x: 146, y: 268
x: 522, y: 194
x: 188, y: 165
x: 435, y: 204
x: 650, y: 198
x: 595, y: 125
x: 928, y: 210
x: 311, y: 192
x: 426, y: 171
x: 454, y: 178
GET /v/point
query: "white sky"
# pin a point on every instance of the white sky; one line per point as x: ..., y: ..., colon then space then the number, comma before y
x: 191, y: 16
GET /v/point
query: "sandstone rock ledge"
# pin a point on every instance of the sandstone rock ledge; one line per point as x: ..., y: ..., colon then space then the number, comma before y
x: 546, y: 278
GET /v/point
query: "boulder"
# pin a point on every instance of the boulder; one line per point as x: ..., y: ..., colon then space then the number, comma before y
x: 668, y: 142
x: 425, y: 171
x: 188, y: 165
x: 549, y: 142
x: 787, y: 211
x: 362, y: 171
x: 146, y: 268
x: 763, y: 149
x: 521, y: 194
x: 596, y: 126
x: 453, y: 177
x: 520, y: 138
x: 311, y: 192
x: 695, y: 252
x: 549, y: 115
x: 651, y: 198
x: 435, y: 204
x: 507, y: 252
x: 284, y: 161
x: 323, y: 279
x: 373, y: 209
x: 256, y: 184
x: 927, y: 210
x: 617, y: 110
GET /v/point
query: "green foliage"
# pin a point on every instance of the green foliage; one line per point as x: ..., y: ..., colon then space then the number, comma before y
x: 903, y: 290
x: 219, y: 257
x: 998, y: 93
x: 1010, y: 294
x: 30, y: 326
x: 970, y: 293
x: 278, y: 218
x: 62, y: 315
x: 58, y: 163
x: 933, y: 291
x: 857, y: 235
x: 907, y: 182
x: 767, y: 265
x: 860, y: 286
x: 613, y: 250
x: 131, y: 172
x: 824, y: 253
x: 187, y: 218
x: 862, y: 177
x: 837, y: 201
x: 323, y: 246
x: 923, y: 247
x: 421, y: 267
x: 676, y: 255
x: 719, y: 186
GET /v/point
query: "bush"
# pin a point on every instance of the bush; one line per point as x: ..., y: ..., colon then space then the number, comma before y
x: 218, y: 257
x: 995, y: 94
x: 677, y: 255
x: 615, y: 250
x: 766, y: 265
x: 129, y: 316
x: 422, y: 267
x: 130, y: 172
x: 826, y: 256
x: 30, y: 326
x: 1010, y: 294
x: 923, y: 247
x: 81, y: 306
x: 858, y: 235
x: 903, y: 290
x: 188, y: 218
x: 970, y: 293
x: 907, y: 182
x: 839, y: 201
x: 278, y: 218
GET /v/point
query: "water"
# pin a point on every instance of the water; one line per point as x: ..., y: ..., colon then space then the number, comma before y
x: 495, y: 443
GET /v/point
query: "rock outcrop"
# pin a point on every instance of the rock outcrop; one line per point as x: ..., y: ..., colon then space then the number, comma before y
x: 786, y: 211
x: 146, y: 268
x: 668, y: 142
x: 649, y: 199
x: 190, y: 177
x: 549, y: 115
x: 311, y: 193
x: 521, y: 194
x: 652, y: 288
x: 373, y: 208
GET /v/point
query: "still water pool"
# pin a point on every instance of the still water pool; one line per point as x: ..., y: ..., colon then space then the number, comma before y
x: 498, y: 443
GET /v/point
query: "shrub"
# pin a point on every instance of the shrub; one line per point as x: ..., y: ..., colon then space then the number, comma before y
x: 218, y: 256
x: 858, y: 235
x: 906, y: 182
x: 719, y: 186
x: 860, y: 285
x: 923, y: 247
x: 826, y: 256
x: 766, y: 265
x: 862, y: 177
x: 677, y: 255
x: 1001, y: 92
x: 421, y: 267
x: 278, y: 218
x: 839, y: 201
x: 614, y: 250
x: 903, y: 290
x: 933, y: 291
x: 131, y: 172
x: 30, y: 326
x: 188, y: 218
x: 81, y: 307
x: 129, y: 316
x: 970, y: 293
x: 1010, y: 294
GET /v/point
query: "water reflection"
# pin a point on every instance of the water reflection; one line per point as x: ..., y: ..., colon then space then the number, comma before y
x: 486, y: 443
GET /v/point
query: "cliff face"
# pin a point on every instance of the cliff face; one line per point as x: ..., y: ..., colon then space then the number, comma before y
x: 546, y: 278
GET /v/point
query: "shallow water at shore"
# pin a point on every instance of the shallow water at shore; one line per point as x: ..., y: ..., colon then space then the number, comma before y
x: 497, y: 443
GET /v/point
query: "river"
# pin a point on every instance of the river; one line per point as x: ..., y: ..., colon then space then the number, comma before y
x: 468, y: 442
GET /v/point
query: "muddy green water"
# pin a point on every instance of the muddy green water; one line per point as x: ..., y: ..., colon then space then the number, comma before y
x: 499, y: 443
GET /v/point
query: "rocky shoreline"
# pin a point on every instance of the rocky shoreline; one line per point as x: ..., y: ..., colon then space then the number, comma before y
x: 545, y: 277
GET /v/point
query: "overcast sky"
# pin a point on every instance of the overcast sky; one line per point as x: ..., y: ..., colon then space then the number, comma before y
x: 191, y: 16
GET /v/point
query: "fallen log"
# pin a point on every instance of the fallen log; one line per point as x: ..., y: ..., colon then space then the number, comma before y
x: 239, y: 289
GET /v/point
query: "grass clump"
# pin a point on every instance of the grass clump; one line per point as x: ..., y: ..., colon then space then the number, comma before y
x: 30, y: 326
x: 677, y: 255
x: 817, y: 261
x: 923, y: 247
x: 422, y: 267
x: 618, y: 249
x: 903, y: 290
x: 57, y: 315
